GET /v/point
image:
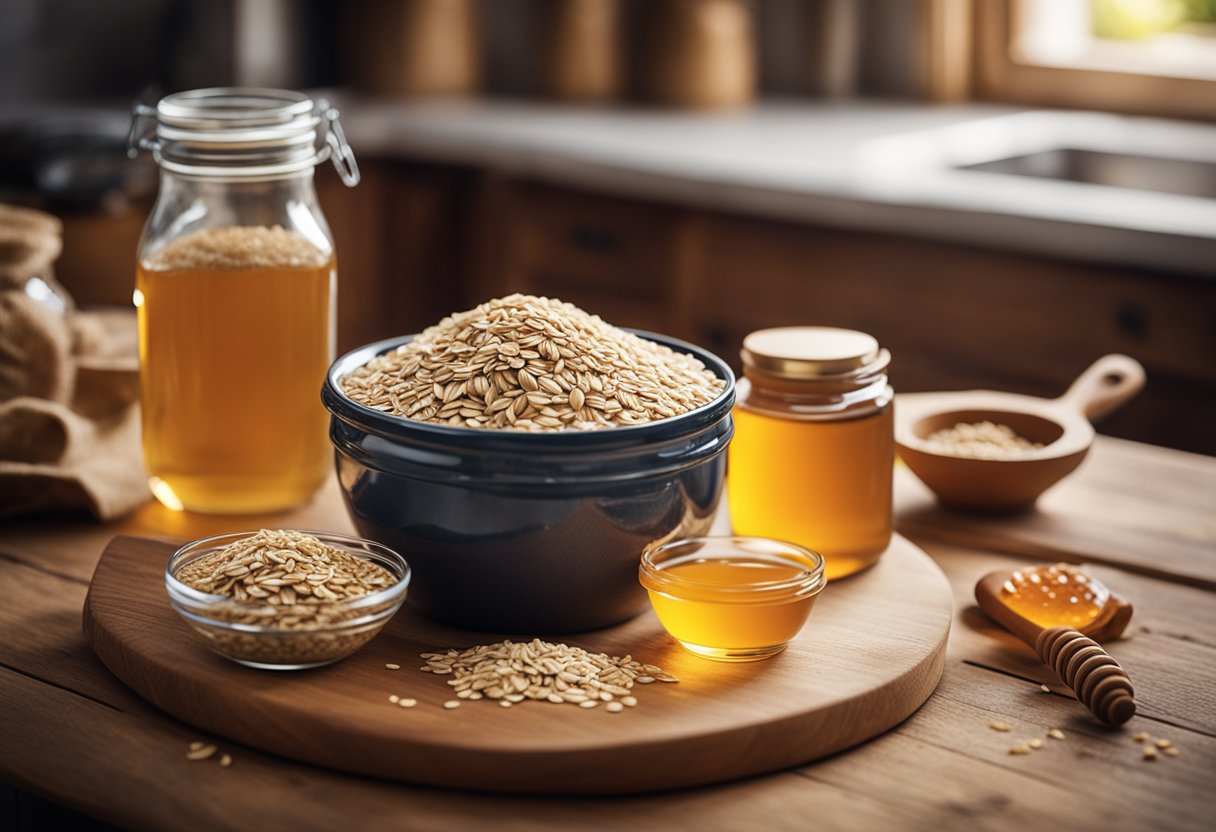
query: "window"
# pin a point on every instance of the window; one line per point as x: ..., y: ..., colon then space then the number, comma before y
x: 1147, y: 56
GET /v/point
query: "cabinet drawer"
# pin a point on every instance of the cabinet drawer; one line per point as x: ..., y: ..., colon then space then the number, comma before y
x: 560, y: 242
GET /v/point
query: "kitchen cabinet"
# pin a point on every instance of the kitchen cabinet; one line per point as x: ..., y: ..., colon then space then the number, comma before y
x: 400, y: 237
x: 954, y: 317
x: 626, y: 261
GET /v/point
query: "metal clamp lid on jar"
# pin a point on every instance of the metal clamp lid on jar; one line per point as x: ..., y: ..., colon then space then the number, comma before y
x: 814, y: 371
x: 241, y: 133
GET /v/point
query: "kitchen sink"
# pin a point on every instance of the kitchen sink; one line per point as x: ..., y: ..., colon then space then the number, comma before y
x: 1120, y: 170
x: 1122, y: 189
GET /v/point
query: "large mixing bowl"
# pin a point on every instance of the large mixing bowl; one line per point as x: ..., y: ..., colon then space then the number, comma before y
x: 522, y: 532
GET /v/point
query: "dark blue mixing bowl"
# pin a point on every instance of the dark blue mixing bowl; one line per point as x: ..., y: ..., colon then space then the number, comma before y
x: 530, y: 533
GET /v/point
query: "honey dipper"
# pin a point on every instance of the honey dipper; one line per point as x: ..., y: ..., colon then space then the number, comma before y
x: 1058, y: 610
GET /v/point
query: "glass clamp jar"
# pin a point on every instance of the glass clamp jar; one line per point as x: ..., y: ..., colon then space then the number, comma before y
x: 813, y: 455
x: 235, y: 290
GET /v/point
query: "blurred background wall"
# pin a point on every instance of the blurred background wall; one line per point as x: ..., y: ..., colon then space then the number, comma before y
x: 505, y: 145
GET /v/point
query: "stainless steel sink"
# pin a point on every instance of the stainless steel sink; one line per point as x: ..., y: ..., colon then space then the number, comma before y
x: 1120, y: 170
x: 1120, y: 189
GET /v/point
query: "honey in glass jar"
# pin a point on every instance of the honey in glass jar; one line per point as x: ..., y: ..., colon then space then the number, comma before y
x: 812, y: 458
x: 235, y: 289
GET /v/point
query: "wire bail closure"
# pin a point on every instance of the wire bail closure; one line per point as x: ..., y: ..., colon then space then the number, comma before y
x: 342, y: 155
x: 143, y: 128
x: 215, y: 142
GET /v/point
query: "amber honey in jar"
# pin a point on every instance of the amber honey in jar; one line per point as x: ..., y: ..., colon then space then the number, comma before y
x: 235, y: 290
x: 813, y: 454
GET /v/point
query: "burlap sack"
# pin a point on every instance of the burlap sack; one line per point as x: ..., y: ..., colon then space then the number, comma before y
x: 69, y: 413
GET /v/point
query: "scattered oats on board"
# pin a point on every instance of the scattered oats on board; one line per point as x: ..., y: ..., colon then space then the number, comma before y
x: 1150, y: 753
x: 510, y: 672
x: 199, y: 750
x: 1019, y: 749
x: 1055, y: 733
x: 997, y: 725
x: 391, y: 666
x: 1140, y: 736
x: 1163, y: 743
x: 1172, y: 751
x: 1044, y: 688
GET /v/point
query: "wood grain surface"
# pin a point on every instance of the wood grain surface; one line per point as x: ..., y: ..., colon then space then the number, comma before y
x: 1138, y: 517
x: 870, y: 655
x: 1146, y: 510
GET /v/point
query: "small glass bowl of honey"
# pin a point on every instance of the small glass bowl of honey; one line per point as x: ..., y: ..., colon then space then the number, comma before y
x: 732, y: 599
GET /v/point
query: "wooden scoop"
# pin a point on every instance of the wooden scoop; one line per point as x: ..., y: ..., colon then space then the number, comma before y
x: 1097, y: 680
x: 1061, y: 425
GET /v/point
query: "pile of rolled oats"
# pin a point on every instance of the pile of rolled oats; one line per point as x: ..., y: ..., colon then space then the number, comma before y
x: 531, y: 363
x: 542, y: 671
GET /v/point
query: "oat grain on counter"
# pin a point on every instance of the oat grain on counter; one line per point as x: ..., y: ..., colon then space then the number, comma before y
x: 202, y: 753
x: 532, y: 364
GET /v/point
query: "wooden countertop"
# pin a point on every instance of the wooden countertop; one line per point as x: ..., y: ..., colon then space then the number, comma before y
x: 1140, y: 516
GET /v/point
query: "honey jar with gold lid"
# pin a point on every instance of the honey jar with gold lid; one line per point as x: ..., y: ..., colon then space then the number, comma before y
x: 812, y: 458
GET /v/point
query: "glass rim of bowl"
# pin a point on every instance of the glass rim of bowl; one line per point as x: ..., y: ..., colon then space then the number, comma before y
x: 196, y: 601
x: 809, y: 582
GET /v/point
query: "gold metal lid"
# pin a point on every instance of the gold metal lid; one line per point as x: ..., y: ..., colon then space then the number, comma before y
x: 810, y: 352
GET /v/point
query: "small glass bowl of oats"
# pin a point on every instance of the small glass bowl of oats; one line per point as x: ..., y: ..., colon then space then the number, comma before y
x: 284, y: 599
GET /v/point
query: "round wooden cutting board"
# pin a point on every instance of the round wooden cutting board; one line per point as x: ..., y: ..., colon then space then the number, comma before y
x: 871, y: 653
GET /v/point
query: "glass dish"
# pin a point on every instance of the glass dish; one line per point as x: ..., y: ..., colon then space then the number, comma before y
x: 229, y: 626
x: 732, y: 599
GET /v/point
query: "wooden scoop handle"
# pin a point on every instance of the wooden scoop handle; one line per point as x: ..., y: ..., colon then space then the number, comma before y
x: 1108, y: 383
x: 1097, y: 679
